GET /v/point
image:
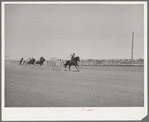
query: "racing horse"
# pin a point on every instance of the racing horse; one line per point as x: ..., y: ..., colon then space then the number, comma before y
x: 32, y: 61
x: 40, y: 62
x: 73, y: 62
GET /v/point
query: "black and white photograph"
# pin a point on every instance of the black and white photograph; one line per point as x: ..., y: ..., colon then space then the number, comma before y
x: 67, y: 57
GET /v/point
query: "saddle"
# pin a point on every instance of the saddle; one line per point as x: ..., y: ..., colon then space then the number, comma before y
x: 73, y: 61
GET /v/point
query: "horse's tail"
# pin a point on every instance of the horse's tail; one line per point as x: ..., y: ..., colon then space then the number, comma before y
x: 67, y: 63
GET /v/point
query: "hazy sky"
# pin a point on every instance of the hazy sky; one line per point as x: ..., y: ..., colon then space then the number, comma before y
x: 94, y: 31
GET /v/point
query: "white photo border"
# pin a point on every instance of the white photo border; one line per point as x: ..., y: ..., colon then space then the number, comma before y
x: 73, y: 113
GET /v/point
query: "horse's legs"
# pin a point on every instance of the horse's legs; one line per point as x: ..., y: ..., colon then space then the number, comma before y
x: 69, y: 67
x: 65, y: 67
x: 76, y: 67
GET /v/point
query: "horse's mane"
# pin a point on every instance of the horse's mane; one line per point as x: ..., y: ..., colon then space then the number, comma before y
x: 77, y: 57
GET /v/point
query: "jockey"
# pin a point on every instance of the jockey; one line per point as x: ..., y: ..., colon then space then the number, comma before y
x: 21, y: 61
x: 72, y: 56
x: 41, y: 58
x: 33, y: 60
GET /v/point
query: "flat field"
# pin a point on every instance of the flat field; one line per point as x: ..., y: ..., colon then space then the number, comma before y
x: 93, y: 86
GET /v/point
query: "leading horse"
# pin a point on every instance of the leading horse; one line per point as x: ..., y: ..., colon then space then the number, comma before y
x: 73, y: 62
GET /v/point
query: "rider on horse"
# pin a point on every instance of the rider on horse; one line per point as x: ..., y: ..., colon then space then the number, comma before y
x: 72, y: 56
x: 72, y: 62
x: 40, y: 61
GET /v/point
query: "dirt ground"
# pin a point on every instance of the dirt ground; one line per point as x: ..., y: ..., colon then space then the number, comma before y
x: 93, y: 86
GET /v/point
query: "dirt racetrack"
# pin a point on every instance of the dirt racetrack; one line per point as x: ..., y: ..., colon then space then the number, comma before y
x: 93, y: 86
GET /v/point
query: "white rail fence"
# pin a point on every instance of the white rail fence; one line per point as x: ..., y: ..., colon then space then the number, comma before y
x: 139, y: 62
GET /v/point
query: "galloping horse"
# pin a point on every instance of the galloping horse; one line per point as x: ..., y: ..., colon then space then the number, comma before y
x: 32, y: 61
x: 40, y: 62
x: 72, y: 63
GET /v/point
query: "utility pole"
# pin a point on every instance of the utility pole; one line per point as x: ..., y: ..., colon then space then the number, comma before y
x: 132, y: 45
